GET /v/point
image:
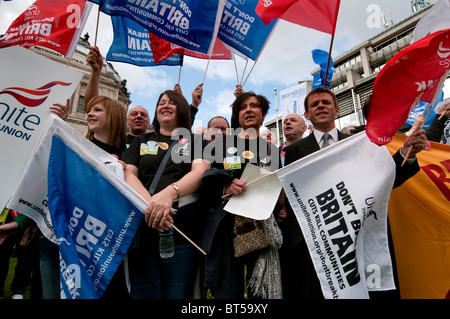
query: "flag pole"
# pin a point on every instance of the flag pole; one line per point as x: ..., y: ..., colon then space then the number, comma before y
x: 249, y: 73
x: 179, y: 72
x: 206, y: 69
x: 328, y: 61
x: 96, y: 27
x: 189, y: 240
x: 331, y: 44
x: 6, y: 216
x: 245, y: 68
x: 235, y: 67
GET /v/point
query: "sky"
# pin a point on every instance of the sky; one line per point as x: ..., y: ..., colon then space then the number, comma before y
x: 285, y: 60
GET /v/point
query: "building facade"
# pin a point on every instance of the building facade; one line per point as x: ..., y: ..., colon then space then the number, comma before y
x: 111, y: 85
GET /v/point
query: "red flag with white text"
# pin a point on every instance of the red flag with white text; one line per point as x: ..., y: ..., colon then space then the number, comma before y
x: 319, y: 15
x: 413, y: 72
x: 53, y: 24
x: 163, y: 49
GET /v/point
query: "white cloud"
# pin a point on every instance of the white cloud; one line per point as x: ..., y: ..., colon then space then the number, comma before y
x: 221, y: 103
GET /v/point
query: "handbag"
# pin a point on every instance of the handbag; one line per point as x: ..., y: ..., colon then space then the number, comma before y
x: 249, y: 236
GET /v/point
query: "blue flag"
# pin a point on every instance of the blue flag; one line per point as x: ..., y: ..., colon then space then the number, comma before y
x: 191, y: 24
x: 131, y: 44
x: 320, y: 57
x: 242, y: 29
x: 422, y: 108
x: 93, y: 221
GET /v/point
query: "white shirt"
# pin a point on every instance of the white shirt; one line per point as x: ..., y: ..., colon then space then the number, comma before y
x: 334, y: 136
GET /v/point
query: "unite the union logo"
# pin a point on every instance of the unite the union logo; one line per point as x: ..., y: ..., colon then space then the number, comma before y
x: 444, y: 53
x: 32, y: 97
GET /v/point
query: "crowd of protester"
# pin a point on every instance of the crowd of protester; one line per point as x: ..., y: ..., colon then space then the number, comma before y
x: 192, y: 195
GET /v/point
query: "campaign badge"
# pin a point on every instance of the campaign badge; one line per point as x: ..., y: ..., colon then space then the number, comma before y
x: 248, y: 154
x: 163, y: 146
x: 232, y: 162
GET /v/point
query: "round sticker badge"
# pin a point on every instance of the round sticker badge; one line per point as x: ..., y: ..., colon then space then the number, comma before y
x: 248, y: 154
x: 164, y: 146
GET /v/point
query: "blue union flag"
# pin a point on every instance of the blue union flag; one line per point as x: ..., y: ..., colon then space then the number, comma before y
x: 131, y: 44
x: 94, y: 222
x: 189, y: 23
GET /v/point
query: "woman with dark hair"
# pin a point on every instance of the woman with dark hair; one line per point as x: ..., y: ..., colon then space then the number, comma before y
x: 224, y: 271
x: 174, y: 202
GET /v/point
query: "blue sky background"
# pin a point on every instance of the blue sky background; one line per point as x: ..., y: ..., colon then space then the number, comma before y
x: 285, y: 60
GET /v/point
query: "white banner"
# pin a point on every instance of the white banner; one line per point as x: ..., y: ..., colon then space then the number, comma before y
x: 292, y: 101
x: 30, y: 196
x: 340, y: 197
x: 29, y: 84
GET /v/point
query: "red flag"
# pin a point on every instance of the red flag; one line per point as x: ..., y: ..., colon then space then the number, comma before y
x: 163, y: 49
x: 53, y: 24
x: 320, y: 15
x: 415, y: 70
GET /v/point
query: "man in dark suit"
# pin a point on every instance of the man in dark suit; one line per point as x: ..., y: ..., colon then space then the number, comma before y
x: 299, y: 277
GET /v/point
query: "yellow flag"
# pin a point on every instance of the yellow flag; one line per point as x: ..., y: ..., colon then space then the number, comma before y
x: 419, y: 215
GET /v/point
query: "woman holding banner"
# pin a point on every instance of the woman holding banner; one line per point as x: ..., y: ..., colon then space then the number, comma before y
x: 172, y: 201
x: 224, y: 272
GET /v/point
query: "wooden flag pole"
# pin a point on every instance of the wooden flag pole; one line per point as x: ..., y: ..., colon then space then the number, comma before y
x: 179, y: 74
x: 245, y: 68
x: 235, y: 67
x: 249, y: 73
x: 189, y: 240
x: 204, y: 76
x: 96, y: 27
x: 252, y: 182
x: 328, y: 61
x: 6, y: 216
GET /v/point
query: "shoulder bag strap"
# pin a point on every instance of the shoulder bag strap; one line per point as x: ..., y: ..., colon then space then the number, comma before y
x: 160, y: 170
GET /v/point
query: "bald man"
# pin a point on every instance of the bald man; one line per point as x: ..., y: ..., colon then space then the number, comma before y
x: 138, y: 121
x: 293, y: 127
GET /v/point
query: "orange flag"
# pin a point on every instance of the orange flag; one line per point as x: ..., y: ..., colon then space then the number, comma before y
x: 419, y: 215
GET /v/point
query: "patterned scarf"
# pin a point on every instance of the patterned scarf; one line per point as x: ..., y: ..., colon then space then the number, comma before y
x: 266, y: 276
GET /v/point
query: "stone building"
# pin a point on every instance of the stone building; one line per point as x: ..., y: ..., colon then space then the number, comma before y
x: 111, y: 84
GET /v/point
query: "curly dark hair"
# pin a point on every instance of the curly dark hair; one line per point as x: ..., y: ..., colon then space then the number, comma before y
x: 264, y: 104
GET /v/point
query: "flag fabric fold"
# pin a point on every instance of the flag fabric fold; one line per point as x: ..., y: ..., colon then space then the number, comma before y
x: 435, y: 19
x: 131, y: 44
x: 53, y: 24
x: 188, y: 23
x: 320, y: 15
x: 243, y: 31
x: 413, y: 73
x: 94, y: 226
x: 343, y: 217
x: 418, y: 211
x: 163, y: 50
